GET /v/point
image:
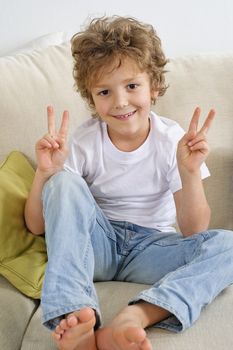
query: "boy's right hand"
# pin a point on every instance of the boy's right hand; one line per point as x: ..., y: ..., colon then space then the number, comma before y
x: 52, y: 149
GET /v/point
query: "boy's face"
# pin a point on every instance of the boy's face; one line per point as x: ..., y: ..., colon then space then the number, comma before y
x: 122, y: 98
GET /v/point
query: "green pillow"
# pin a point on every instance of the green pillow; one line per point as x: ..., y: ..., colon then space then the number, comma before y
x: 23, y: 256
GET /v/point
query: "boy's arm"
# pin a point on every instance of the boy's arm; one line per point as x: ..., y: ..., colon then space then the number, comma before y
x: 193, y: 212
x: 33, y: 208
x: 51, y: 152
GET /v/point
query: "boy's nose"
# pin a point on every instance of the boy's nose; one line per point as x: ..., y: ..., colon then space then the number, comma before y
x: 120, y: 101
x: 121, y: 106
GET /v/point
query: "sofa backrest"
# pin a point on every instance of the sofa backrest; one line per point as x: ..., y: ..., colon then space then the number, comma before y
x: 207, y: 81
x: 31, y: 81
x: 28, y: 83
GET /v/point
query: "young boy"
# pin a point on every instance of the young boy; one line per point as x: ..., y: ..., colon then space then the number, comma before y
x: 109, y: 203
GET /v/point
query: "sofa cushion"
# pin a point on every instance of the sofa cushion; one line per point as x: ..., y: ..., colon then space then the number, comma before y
x: 212, y: 331
x: 41, y: 42
x: 16, y: 313
x: 206, y: 80
x: 29, y: 83
x: 22, y: 255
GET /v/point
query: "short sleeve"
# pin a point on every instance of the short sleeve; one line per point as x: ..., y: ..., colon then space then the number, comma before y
x: 174, y: 179
x: 74, y: 160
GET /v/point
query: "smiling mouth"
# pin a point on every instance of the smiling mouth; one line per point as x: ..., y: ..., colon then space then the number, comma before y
x: 125, y: 116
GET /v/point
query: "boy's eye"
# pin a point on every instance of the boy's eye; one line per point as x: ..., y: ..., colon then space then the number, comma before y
x: 103, y: 93
x: 132, y: 86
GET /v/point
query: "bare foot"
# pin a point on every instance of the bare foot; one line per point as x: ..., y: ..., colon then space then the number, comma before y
x: 125, y: 335
x: 76, y: 332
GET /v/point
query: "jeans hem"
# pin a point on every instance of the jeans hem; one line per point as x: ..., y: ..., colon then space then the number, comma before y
x: 51, y: 319
x: 174, y: 323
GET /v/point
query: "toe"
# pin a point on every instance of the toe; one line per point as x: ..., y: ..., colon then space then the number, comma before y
x: 85, y: 315
x: 64, y: 325
x: 72, y: 320
x: 135, y: 335
x: 59, y: 329
x: 146, y: 345
x: 56, y: 336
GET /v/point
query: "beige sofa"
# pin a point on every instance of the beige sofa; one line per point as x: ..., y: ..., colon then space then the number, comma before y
x: 31, y: 81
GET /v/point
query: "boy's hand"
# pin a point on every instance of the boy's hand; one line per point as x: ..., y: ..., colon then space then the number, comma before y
x: 52, y: 150
x: 193, y: 148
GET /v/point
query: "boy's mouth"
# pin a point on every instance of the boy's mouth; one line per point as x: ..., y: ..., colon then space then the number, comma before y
x: 125, y: 116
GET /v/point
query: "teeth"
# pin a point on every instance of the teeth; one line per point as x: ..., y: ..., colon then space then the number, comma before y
x: 125, y: 115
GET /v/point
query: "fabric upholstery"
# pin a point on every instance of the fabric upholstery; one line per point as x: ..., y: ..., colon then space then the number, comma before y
x: 29, y: 82
x: 15, y: 315
x: 206, y: 81
x: 22, y: 255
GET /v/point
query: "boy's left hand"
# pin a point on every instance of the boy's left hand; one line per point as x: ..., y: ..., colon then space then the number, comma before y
x: 193, y: 148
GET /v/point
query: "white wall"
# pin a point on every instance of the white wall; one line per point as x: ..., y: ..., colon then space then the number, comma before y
x: 185, y: 26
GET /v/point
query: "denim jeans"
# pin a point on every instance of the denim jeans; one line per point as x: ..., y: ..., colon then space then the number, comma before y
x: 184, y: 274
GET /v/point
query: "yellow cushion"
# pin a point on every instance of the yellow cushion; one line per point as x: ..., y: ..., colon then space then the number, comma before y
x: 23, y: 256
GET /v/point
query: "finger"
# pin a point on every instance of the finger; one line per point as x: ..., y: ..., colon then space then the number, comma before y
x: 52, y: 140
x: 64, y: 125
x: 208, y: 121
x: 194, y: 121
x: 200, y: 146
x: 51, y: 120
x: 200, y: 136
x: 43, y: 143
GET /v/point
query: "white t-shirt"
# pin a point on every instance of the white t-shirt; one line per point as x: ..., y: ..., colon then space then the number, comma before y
x: 135, y: 186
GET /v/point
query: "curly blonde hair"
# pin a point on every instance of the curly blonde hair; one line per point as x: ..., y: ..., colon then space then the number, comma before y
x: 114, y: 38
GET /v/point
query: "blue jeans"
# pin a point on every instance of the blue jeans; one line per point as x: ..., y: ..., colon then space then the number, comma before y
x: 83, y: 246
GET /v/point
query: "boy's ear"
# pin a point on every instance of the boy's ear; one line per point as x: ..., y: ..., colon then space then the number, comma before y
x: 154, y: 95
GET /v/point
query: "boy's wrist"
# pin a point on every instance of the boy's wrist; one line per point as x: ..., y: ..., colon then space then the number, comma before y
x: 189, y: 175
x: 43, y: 175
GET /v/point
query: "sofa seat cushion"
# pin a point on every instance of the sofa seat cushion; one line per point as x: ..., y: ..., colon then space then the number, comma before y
x: 15, y: 315
x: 212, y: 331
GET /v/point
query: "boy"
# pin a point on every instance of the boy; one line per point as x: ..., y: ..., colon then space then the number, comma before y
x: 108, y: 204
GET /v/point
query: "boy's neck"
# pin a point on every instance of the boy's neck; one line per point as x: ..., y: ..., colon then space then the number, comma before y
x: 126, y: 142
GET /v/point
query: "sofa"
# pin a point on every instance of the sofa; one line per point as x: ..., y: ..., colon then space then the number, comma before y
x: 28, y: 83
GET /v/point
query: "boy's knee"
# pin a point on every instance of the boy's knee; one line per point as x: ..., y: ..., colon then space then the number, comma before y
x: 223, y: 238
x: 64, y: 184
x: 63, y: 179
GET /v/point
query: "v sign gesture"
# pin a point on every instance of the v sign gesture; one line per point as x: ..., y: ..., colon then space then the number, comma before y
x: 51, y: 149
x: 193, y: 212
x: 193, y: 148
x: 51, y: 152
